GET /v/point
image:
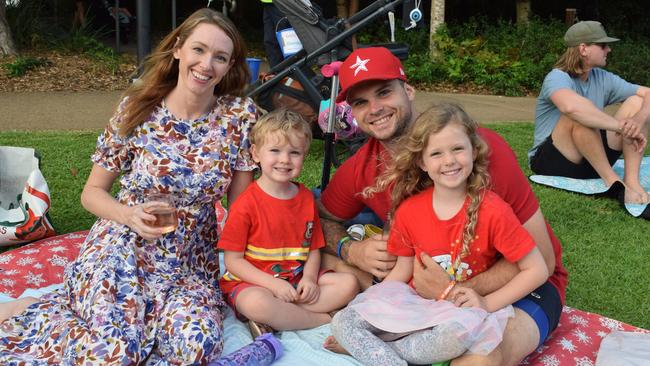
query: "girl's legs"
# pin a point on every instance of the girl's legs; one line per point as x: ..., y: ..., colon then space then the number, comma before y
x: 430, y: 345
x: 190, y: 326
x: 259, y: 304
x: 358, y: 337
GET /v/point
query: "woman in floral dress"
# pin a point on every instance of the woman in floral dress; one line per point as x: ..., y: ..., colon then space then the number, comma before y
x: 135, y: 295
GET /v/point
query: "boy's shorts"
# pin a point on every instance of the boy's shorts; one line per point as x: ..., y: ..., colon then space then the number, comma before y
x: 234, y: 291
x: 545, y: 307
x: 548, y: 160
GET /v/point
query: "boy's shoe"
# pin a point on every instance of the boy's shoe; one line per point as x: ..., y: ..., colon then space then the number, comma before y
x: 257, y: 329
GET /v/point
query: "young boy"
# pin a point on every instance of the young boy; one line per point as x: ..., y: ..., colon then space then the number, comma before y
x: 273, y: 234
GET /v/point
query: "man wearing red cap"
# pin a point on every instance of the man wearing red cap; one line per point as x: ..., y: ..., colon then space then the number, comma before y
x: 374, y: 84
x: 573, y: 136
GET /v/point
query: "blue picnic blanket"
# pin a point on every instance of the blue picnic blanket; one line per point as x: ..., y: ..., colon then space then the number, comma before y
x: 598, y: 187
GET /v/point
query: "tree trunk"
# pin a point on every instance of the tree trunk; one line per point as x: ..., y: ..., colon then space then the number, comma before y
x: 523, y: 11
x: 6, y: 42
x: 437, y: 19
x: 341, y: 9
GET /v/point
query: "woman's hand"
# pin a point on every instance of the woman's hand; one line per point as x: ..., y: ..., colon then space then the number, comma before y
x: 308, y: 291
x: 283, y: 290
x: 465, y: 297
x: 136, y: 218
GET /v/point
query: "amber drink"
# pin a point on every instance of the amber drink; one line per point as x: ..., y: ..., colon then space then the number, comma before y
x: 162, y: 206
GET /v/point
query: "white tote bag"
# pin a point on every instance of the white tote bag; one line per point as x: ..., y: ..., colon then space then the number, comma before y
x: 24, y: 197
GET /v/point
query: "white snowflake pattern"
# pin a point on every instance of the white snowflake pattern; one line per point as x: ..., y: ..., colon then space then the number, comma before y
x: 26, y: 261
x: 550, y: 360
x: 584, y: 361
x: 582, y: 337
x: 567, y: 345
x: 77, y: 236
x: 29, y: 251
x: 577, y: 319
x: 6, y: 258
x: 54, y: 242
x: 11, y: 272
x: 58, y: 249
x: 611, y: 324
x: 58, y: 261
x: 7, y: 282
x: 602, y: 334
x: 567, y: 310
x: 34, y: 279
x: 39, y: 266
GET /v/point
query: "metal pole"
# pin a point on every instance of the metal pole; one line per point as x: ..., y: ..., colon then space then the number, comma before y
x: 144, y: 29
x: 173, y: 14
x: 116, y: 14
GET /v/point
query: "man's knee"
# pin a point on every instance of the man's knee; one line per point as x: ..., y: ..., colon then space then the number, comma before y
x: 495, y: 358
x: 520, y: 338
x: 629, y: 107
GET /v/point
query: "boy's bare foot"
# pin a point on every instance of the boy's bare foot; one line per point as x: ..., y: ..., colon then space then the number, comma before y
x: 331, y: 344
x: 13, y: 308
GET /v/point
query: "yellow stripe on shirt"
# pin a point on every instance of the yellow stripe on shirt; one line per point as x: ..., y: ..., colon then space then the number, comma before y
x: 278, y: 254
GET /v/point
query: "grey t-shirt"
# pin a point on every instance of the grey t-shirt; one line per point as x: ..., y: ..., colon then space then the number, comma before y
x: 601, y: 87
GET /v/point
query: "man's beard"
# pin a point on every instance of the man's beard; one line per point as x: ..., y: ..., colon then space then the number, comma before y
x: 400, y: 129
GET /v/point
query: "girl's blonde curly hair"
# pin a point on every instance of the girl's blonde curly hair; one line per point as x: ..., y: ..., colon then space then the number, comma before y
x: 405, y: 178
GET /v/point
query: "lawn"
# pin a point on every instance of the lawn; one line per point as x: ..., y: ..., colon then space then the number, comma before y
x: 605, y: 249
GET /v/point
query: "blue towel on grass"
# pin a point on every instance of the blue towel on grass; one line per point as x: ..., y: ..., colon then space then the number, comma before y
x: 598, y: 187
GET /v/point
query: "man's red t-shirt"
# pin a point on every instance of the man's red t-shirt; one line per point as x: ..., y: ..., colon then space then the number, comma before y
x: 342, y: 196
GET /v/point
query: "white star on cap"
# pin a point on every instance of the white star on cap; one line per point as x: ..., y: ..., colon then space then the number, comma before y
x: 360, y: 65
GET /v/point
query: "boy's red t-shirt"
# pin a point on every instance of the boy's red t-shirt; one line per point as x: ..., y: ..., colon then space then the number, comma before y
x: 275, y: 235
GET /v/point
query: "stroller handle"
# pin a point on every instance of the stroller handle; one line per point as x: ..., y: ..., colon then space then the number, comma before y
x: 331, y: 69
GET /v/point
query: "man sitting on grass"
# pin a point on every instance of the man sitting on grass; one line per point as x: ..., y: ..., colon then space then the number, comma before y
x: 573, y: 136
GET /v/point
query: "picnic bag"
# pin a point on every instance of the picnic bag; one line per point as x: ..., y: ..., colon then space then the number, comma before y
x: 24, y: 197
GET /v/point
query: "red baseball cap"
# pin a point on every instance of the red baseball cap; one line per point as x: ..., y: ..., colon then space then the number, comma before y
x: 372, y: 63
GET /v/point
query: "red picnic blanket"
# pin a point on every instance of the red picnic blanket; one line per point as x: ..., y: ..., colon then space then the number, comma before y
x: 40, y: 264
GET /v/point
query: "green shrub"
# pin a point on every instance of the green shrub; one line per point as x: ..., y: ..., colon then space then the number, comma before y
x: 21, y: 65
x: 80, y: 42
x: 503, y: 57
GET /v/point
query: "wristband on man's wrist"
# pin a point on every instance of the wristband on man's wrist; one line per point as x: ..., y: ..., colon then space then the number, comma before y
x: 339, y: 245
x: 446, y: 292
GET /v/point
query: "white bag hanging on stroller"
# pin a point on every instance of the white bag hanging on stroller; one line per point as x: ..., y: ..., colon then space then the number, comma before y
x: 24, y: 197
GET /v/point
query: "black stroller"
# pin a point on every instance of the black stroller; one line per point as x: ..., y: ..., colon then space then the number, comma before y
x: 324, y: 41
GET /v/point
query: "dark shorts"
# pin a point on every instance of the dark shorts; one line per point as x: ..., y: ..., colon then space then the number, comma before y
x: 545, y: 307
x: 549, y: 161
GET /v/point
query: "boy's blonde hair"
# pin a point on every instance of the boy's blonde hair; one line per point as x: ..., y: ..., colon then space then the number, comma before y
x: 280, y: 120
x: 405, y: 177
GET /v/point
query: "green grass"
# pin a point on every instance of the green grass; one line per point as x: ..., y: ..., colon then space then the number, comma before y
x: 605, y: 249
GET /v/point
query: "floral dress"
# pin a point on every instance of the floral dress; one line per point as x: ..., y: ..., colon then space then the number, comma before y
x: 126, y: 300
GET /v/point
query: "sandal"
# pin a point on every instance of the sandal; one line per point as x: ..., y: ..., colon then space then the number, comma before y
x: 257, y: 329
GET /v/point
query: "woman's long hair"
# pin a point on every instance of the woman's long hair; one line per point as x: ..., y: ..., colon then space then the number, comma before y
x: 160, y: 74
x: 405, y: 177
x: 571, y: 62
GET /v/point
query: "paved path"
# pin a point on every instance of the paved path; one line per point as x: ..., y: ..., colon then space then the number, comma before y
x: 91, y: 110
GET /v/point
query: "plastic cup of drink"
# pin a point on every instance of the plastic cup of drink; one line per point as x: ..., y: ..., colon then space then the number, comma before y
x: 162, y: 206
